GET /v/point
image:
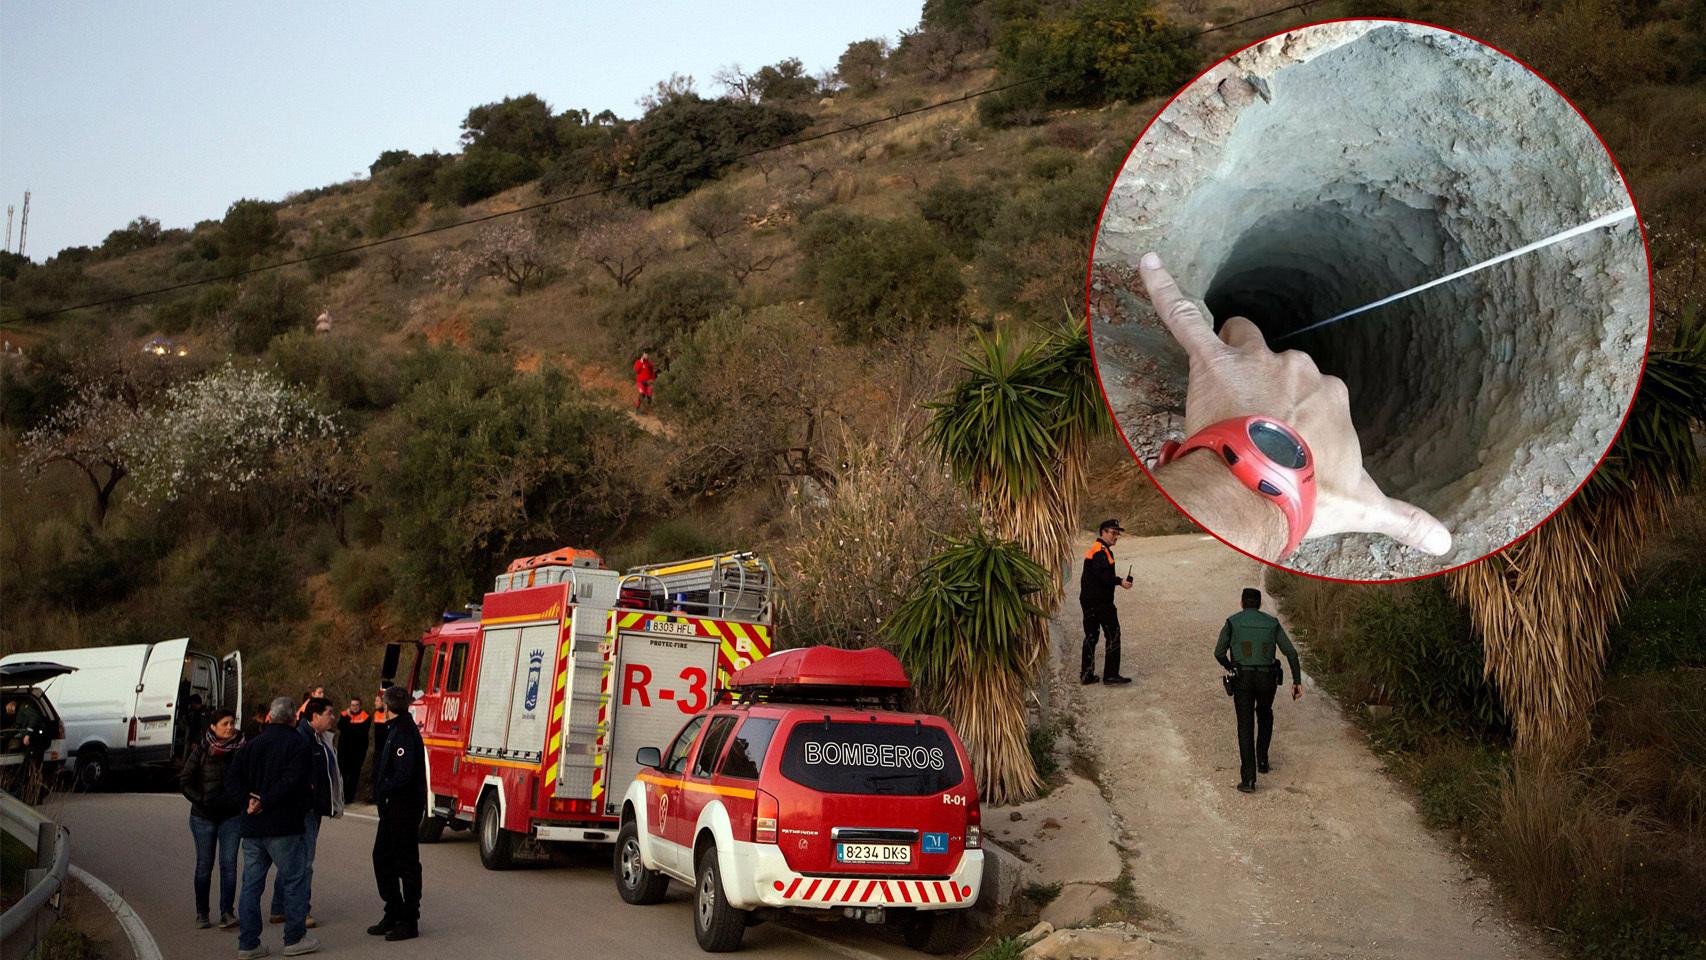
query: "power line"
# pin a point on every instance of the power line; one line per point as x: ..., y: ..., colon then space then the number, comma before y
x: 600, y: 191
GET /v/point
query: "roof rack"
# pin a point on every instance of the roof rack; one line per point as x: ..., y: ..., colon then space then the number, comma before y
x: 734, y: 586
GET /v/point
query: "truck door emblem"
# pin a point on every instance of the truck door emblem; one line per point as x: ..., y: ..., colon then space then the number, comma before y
x: 535, y: 660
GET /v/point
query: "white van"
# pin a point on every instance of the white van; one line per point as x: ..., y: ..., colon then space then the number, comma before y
x: 127, y: 707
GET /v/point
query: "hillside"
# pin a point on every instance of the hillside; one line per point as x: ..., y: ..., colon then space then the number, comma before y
x: 802, y: 304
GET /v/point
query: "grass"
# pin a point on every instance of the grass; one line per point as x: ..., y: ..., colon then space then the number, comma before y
x: 1043, y: 894
x: 1006, y: 948
x: 15, y: 859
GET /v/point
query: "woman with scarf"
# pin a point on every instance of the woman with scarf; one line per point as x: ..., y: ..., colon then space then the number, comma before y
x: 216, y: 817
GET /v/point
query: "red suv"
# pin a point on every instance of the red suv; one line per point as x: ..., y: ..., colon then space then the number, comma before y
x: 805, y: 787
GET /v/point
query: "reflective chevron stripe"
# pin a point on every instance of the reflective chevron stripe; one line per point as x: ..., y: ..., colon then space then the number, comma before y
x: 816, y: 892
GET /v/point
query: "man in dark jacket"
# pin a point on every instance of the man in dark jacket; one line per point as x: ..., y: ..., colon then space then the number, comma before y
x: 353, y: 728
x: 272, y: 771
x: 399, y: 790
x: 1096, y: 598
x: 1249, y: 644
x: 325, y: 797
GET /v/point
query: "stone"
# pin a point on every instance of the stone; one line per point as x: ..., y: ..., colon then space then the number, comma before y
x: 1077, y: 904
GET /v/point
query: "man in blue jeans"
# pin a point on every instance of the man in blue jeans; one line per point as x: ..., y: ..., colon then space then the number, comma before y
x: 325, y: 796
x: 273, y: 771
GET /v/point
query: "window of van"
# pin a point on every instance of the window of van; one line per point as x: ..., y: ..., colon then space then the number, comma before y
x: 859, y: 757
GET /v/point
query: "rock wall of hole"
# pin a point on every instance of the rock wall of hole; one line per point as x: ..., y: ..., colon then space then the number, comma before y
x: 1332, y: 166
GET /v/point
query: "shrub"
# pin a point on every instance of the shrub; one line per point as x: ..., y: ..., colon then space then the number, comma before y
x: 784, y: 82
x: 523, y: 126
x: 668, y: 306
x: 481, y: 173
x: 878, y: 278
x: 250, y: 228
x: 960, y: 212
x: 325, y: 247
x: 267, y: 305
x: 351, y: 379
x: 1033, y: 254
x: 863, y: 64
x: 389, y: 160
x: 393, y: 210
x: 685, y: 141
x: 361, y: 580
x: 1088, y: 54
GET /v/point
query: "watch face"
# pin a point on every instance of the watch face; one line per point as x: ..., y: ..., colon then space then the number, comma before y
x: 1278, y: 445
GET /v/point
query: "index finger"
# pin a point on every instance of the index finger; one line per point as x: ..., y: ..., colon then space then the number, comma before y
x: 1184, y: 319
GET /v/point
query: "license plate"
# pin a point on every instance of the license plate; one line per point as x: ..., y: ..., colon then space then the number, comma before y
x: 154, y: 724
x: 873, y: 852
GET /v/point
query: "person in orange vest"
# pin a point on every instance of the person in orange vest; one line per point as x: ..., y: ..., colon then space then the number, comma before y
x: 1096, y: 597
x: 313, y: 693
x: 354, y: 727
x: 380, y: 718
x: 645, y: 372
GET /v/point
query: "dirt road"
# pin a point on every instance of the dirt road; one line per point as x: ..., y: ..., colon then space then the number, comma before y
x: 1329, y: 859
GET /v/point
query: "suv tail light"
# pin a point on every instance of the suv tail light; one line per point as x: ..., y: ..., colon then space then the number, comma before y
x: 974, y: 826
x: 764, y: 820
x: 132, y: 741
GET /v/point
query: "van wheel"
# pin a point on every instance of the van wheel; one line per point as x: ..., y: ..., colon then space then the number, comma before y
x: 634, y: 880
x: 91, y: 769
x: 717, y: 926
x: 431, y: 829
x: 497, y: 845
x: 934, y: 931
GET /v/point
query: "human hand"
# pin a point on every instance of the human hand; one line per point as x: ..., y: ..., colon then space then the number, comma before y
x: 1297, y: 691
x: 1125, y: 584
x: 1236, y: 375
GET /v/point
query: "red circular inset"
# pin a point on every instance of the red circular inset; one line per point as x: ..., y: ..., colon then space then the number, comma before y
x: 1639, y: 374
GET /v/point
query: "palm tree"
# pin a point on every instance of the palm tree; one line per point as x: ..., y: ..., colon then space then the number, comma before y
x: 964, y: 633
x: 1545, y: 606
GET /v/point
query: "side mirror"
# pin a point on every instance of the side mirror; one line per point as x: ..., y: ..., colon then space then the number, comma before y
x: 649, y: 757
x: 388, y: 667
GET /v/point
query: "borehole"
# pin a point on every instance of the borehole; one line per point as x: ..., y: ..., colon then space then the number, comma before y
x: 1323, y: 170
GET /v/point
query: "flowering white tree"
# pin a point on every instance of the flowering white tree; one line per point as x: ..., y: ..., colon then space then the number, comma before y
x: 227, y: 430
x: 95, y: 432
x: 507, y: 250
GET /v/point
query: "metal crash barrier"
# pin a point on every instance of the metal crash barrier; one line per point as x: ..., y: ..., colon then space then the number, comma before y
x: 24, y: 923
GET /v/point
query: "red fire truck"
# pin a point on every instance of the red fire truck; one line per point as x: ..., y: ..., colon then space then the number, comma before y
x: 534, y: 707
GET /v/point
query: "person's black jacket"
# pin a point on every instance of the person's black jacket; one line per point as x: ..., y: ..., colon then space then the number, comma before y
x: 1097, y: 583
x: 274, y: 766
x: 202, y: 780
x: 320, y: 781
x: 352, y: 739
x: 399, y: 779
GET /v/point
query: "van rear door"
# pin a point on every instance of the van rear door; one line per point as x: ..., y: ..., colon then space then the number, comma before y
x: 157, y: 695
x: 231, y: 691
x: 873, y: 795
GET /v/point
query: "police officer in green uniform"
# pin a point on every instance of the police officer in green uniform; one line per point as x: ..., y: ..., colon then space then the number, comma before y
x: 1246, y: 648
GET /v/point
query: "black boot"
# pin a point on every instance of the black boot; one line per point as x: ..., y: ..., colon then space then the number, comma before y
x: 1089, y: 678
x: 1246, y: 786
x: 404, y: 931
x: 383, y: 927
x: 1261, y: 766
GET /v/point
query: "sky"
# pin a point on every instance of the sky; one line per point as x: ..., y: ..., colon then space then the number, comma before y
x: 173, y: 110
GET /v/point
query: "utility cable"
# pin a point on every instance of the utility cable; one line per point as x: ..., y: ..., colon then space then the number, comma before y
x: 1559, y: 237
x: 626, y: 184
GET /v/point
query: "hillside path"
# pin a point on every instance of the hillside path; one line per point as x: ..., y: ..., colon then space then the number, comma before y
x: 1328, y: 859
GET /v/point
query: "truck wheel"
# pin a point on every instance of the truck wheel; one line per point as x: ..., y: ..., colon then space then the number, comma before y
x: 431, y: 829
x: 934, y: 931
x: 718, y: 926
x: 497, y: 845
x: 91, y: 769
x: 634, y: 881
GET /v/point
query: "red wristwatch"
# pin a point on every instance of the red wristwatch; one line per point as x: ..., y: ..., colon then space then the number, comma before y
x: 1268, y: 457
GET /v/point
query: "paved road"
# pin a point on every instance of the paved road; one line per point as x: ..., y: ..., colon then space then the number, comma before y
x: 139, y: 843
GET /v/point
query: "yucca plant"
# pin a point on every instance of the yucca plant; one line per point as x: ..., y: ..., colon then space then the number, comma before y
x: 1545, y: 606
x: 1016, y: 431
x: 964, y: 633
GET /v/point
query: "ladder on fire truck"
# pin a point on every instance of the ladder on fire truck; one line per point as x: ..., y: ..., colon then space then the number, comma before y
x: 734, y: 586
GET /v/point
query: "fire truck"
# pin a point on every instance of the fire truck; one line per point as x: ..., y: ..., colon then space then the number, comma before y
x: 534, y: 706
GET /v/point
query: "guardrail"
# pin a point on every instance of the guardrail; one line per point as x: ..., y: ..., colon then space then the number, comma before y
x: 25, y: 922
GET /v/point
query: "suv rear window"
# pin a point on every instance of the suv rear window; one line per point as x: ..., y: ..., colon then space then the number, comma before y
x: 901, y: 759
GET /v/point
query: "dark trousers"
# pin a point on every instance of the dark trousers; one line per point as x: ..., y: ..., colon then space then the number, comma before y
x: 397, y: 865
x: 1253, y: 698
x: 349, y: 764
x: 1100, y: 615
